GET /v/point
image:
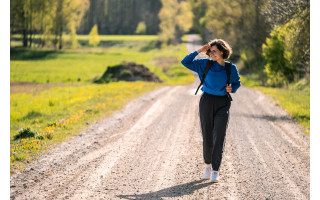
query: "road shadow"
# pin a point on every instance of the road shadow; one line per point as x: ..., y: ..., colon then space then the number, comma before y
x: 268, y: 117
x: 175, y: 191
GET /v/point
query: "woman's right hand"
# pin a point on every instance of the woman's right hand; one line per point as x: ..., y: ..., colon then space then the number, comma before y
x: 203, y: 48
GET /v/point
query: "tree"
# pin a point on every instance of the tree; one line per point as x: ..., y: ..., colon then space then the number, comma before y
x: 46, y: 18
x: 282, y: 12
x: 199, y: 8
x: 141, y: 28
x: 278, y: 68
x: 73, y: 35
x: 183, y: 20
x: 76, y: 10
x: 21, y: 18
x: 94, y: 37
x: 121, y: 16
x: 176, y: 19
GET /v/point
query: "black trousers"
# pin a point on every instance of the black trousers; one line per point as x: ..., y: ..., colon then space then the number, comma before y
x: 214, y: 117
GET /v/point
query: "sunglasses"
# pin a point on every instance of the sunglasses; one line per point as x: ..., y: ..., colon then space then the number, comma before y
x: 211, y: 52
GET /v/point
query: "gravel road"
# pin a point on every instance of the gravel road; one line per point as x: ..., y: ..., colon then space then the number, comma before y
x: 152, y: 149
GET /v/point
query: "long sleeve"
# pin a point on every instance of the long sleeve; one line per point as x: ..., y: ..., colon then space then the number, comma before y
x: 234, y: 79
x: 216, y: 79
x: 197, y: 65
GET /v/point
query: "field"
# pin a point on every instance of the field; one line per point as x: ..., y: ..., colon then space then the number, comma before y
x: 52, y: 91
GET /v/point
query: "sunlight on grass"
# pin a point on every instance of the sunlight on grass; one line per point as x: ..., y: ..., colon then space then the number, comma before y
x: 70, y: 110
x: 295, y: 102
x: 66, y: 100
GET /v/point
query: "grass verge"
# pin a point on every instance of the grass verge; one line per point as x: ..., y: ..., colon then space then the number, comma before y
x: 63, y: 100
x: 62, y: 112
x: 295, y: 100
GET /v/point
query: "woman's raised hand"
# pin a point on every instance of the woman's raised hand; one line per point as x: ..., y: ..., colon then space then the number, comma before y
x: 203, y: 48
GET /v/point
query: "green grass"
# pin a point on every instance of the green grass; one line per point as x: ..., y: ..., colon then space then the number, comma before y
x: 295, y: 100
x: 64, y: 109
x: 47, y: 66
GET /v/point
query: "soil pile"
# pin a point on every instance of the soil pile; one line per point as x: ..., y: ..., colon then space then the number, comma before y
x: 128, y: 72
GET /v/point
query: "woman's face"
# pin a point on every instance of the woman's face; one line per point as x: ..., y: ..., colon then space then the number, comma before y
x: 215, y: 54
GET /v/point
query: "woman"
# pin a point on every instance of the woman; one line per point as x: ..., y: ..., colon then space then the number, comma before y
x: 214, y: 102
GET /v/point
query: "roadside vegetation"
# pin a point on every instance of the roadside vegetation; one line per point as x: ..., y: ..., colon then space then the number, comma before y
x: 52, y: 69
x: 55, y: 96
x: 294, y: 98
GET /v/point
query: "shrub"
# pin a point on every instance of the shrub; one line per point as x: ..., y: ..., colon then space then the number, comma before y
x: 141, y: 28
x: 94, y: 37
x: 48, y: 134
x: 25, y: 133
x: 279, y: 53
x: 51, y: 103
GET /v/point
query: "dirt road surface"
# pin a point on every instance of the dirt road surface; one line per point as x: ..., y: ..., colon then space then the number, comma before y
x: 152, y: 149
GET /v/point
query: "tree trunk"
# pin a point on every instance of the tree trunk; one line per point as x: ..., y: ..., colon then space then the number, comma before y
x: 25, y: 30
x: 60, y: 37
x: 30, y: 27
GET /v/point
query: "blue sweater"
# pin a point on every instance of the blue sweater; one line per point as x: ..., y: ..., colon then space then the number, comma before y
x: 216, y: 79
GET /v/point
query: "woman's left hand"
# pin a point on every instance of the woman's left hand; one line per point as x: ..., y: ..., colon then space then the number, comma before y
x: 228, y: 88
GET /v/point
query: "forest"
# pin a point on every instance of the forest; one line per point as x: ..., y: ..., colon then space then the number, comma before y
x: 270, y: 37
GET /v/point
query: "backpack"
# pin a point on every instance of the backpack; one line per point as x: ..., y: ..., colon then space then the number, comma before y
x: 206, y: 69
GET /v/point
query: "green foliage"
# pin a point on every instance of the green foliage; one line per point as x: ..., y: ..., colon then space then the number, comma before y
x: 51, y: 103
x: 199, y: 8
x: 240, y: 23
x: 27, y: 133
x: 73, y: 36
x: 184, y: 17
x: 141, y: 28
x: 86, y: 63
x: 64, y: 109
x: 279, y: 54
x: 94, y: 37
x: 176, y: 19
x: 52, y: 18
x: 295, y: 98
x: 119, y: 16
x: 247, y: 56
x: 70, y: 117
x: 167, y: 25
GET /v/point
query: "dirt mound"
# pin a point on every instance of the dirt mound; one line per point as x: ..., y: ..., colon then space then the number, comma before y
x: 128, y: 72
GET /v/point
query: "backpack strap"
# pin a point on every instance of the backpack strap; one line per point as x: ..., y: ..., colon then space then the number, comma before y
x: 228, y: 70
x: 206, y: 69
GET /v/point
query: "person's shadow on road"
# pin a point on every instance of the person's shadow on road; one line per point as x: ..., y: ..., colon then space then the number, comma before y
x: 175, y: 191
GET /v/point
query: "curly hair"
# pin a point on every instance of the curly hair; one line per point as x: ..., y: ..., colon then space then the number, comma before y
x: 222, y: 46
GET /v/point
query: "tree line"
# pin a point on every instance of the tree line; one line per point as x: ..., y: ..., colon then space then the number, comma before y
x: 269, y: 36
x: 50, y: 19
x: 121, y: 16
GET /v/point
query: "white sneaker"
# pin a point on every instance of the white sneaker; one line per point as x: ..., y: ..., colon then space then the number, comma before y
x: 206, y: 173
x: 215, y: 176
